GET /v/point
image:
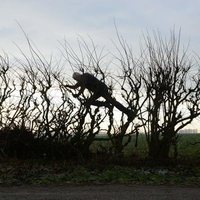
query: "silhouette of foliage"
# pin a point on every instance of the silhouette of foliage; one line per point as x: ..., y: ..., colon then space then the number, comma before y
x: 41, y: 118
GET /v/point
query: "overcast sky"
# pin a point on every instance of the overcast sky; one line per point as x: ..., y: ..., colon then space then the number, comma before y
x: 48, y: 21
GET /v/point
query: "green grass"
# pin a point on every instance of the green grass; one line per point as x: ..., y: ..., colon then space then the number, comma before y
x: 186, y: 146
x: 31, y: 172
x: 43, y: 172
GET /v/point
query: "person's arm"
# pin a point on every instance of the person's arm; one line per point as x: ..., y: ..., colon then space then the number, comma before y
x: 73, y: 86
x: 80, y: 92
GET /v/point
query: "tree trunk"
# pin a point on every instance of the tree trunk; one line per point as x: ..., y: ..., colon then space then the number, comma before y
x: 159, y: 150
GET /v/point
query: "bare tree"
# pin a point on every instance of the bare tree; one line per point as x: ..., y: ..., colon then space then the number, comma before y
x: 89, y: 59
x: 7, y: 89
x: 87, y: 121
x: 129, y: 83
x: 172, y: 85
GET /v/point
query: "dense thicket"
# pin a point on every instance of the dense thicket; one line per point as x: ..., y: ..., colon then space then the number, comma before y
x: 40, y: 117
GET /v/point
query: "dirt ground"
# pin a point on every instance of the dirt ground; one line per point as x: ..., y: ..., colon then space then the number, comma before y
x: 99, y: 192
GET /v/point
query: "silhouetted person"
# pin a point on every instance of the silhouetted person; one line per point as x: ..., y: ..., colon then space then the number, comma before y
x: 99, y: 89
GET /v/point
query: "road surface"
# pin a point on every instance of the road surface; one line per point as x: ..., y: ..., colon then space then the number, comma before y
x: 99, y: 192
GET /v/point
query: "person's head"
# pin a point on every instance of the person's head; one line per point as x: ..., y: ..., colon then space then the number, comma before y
x: 76, y: 76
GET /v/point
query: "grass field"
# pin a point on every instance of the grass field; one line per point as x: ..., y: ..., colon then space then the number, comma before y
x: 188, y: 146
x: 44, y: 172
